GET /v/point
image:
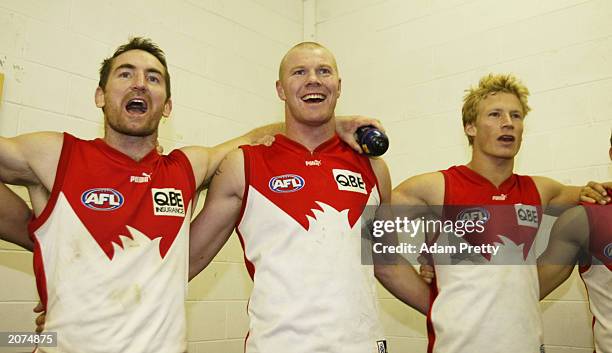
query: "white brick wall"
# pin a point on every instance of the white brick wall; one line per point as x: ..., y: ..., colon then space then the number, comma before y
x: 408, y: 62
x: 223, y: 57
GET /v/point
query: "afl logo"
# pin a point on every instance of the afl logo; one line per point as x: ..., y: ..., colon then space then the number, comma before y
x: 474, y: 214
x: 608, y: 251
x: 286, y: 183
x: 102, y: 199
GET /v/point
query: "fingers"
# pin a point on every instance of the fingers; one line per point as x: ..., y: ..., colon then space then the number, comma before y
x: 40, y: 323
x: 427, y: 273
x: 354, y: 145
x: 266, y: 140
x: 377, y: 124
x: 595, y: 192
x: 40, y: 319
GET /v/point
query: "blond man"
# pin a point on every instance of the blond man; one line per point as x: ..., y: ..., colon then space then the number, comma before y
x: 478, y: 305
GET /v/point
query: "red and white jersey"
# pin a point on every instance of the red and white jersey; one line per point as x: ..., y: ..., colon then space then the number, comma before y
x: 111, y: 250
x: 482, y: 303
x: 300, y: 229
x: 597, y: 276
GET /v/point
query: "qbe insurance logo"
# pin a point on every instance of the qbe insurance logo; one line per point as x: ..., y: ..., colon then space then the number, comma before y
x: 349, y: 181
x: 286, y: 183
x: 527, y: 215
x: 102, y: 199
x: 168, y: 202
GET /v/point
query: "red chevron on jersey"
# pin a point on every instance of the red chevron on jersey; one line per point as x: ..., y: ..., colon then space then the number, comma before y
x: 111, y: 250
x: 143, y: 199
x: 304, y: 176
x: 513, y: 208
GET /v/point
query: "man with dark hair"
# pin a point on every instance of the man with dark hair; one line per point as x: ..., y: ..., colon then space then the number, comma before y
x: 136, y: 43
x: 480, y: 305
x: 112, y: 215
x: 583, y: 235
x: 299, y: 223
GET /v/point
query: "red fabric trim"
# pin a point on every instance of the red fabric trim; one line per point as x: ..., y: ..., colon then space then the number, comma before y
x: 60, y: 173
x: 431, y: 334
x: 37, y: 222
x: 247, y: 177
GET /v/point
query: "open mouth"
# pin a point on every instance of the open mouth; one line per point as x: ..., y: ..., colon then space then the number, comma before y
x: 136, y: 106
x: 506, y: 138
x: 313, y: 98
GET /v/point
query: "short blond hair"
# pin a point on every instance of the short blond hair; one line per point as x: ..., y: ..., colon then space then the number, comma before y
x: 491, y: 84
x: 309, y: 45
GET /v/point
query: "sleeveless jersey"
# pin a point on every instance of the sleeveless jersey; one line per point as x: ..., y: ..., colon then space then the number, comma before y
x: 300, y: 231
x: 111, y: 250
x: 483, y: 302
x: 597, y: 276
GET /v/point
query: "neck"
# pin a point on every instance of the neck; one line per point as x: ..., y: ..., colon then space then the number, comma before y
x: 310, y: 136
x: 494, y: 169
x: 136, y: 147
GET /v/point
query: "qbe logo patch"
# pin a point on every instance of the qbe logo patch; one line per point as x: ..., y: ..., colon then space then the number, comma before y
x: 527, y: 215
x: 381, y: 346
x: 168, y: 202
x: 349, y: 181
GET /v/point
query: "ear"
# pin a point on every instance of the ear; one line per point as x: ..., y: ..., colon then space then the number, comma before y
x: 470, y: 129
x: 280, y: 91
x: 339, y: 87
x: 167, y: 108
x: 99, y: 97
x: 610, y: 153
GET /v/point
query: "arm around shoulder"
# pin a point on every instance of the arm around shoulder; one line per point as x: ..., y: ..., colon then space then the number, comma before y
x: 213, y: 226
x: 420, y: 190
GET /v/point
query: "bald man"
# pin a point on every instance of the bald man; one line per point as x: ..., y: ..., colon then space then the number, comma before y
x: 298, y: 218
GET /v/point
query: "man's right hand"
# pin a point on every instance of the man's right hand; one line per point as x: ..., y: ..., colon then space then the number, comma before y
x: 40, y: 319
x: 426, y: 271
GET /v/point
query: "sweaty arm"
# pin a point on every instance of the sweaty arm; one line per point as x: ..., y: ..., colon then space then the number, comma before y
x: 398, y: 277
x: 568, y: 238
x: 29, y: 160
x: 14, y: 217
x: 213, y: 226
x: 559, y: 197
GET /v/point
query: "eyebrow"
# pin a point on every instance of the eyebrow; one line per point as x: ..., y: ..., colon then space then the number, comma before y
x: 132, y: 67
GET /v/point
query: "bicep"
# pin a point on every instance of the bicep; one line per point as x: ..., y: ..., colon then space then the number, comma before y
x: 30, y: 159
x: 213, y: 226
x: 14, y: 217
x: 420, y: 195
x: 567, y: 239
x: 556, y: 195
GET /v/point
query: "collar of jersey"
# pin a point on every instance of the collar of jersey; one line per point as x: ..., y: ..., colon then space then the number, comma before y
x: 328, y: 145
x: 479, y: 179
x: 122, y: 157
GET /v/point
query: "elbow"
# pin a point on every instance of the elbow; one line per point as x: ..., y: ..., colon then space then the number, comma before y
x: 383, y: 273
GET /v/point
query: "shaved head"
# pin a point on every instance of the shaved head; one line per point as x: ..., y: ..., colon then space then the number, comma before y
x: 304, y: 45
